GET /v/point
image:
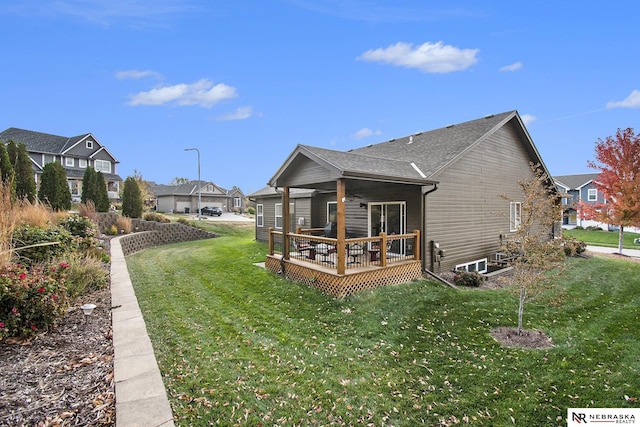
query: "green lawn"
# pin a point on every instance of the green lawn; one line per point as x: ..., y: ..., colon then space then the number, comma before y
x: 240, y: 346
x: 604, y: 238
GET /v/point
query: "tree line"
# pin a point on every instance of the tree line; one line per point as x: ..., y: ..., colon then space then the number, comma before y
x: 17, y: 174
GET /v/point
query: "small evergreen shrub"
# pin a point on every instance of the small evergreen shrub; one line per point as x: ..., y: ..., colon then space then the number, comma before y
x: 471, y: 279
x: 31, y: 300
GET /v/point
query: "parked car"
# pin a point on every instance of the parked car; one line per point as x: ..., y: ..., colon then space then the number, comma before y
x: 211, y: 211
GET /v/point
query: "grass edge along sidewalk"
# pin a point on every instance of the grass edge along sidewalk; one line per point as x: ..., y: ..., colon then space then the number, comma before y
x: 238, y: 345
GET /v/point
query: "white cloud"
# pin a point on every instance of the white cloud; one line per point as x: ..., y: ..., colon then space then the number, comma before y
x: 428, y: 57
x: 632, y: 101
x: 364, y: 133
x: 513, y: 67
x: 240, y: 114
x: 202, y: 93
x: 528, y: 118
x: 137, y: 74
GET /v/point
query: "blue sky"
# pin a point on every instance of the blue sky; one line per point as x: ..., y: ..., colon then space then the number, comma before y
x: 246, y: 81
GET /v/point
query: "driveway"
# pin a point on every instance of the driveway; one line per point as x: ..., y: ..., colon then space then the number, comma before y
x: 226, y: 217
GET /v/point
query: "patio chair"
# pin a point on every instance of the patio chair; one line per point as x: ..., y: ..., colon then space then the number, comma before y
x: 325, y: 251
x: 354, y: 252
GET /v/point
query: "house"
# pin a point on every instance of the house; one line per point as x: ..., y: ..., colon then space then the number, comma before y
x: 74, y: 153
x: 183, y: 198
x: 428, y: 202
x: 577, y: 188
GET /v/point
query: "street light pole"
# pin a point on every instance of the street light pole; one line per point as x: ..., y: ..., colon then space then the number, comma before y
x: 199, y: 183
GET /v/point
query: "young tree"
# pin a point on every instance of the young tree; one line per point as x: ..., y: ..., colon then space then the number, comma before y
x: 145, y: 187
x: 89, y: 186
x: 6, y: 169
x: 25, y: 182
x: 618, y: 160
x: 101, y: 194
x: 536, y: 252
x: 131, y: 199
x: 54, y: 189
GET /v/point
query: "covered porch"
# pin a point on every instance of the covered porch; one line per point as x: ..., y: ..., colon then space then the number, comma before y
x: 345, y: 266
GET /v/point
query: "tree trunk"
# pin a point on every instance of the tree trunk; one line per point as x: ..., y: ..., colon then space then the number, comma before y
x: 620, y: 239
x: 521, y: 309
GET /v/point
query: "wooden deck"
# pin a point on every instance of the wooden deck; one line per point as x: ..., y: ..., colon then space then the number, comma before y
x: 354, y: 280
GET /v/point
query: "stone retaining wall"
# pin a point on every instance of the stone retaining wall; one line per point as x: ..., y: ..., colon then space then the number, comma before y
x: 151, y: 233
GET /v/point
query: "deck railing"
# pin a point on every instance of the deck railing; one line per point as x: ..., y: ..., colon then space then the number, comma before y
x: 378, y: 251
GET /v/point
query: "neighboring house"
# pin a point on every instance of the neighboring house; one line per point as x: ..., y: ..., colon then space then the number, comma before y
x: 443, y: 191
x: 76, y: 154
x: 183, y: 198
x: 576, y: 189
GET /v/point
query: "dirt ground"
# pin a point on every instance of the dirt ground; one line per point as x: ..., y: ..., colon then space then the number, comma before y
x: 63, y: 377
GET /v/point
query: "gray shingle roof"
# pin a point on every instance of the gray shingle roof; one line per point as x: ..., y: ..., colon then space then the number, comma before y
x: 40, y: 142
x: 434, y: 149
x: 573, y: 182
x: 414, y: 158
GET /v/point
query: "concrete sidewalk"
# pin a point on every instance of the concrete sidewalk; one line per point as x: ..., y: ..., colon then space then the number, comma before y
x: 141, y: 399
x: 628, y: 252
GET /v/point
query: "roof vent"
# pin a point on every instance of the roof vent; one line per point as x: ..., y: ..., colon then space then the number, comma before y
x: 488, y: 116
x: 411, y: 139
x: 449, y: 126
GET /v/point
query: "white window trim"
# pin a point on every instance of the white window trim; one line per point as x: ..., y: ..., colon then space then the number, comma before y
x: 89, y: 144
x: 260, y: 215
x: 475, y: 263
x: 278, y: 207
x: 82, y: 163
x: 236, y: 202
x: 101, y: 168
x: 592, y: 194
x: 515, y: 215
x: 69, y: 161
x: 329, y: 209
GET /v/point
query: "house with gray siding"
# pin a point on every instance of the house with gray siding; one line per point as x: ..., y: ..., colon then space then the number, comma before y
x: 183, y: 198
x: 455, y: 190
x: 576, y: 189
x: 75, y: 154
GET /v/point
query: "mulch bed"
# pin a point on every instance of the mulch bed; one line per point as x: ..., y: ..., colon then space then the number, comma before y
x: 63, y: 377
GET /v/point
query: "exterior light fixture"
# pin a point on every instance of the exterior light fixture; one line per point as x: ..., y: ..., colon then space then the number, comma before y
x: 87, y: 309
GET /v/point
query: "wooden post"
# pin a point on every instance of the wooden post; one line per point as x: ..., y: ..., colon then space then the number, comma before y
x: 416, y: 245
x: 341, y: 224
x: 383, y: 249
x: 270, y: 240
x: 286, y: 226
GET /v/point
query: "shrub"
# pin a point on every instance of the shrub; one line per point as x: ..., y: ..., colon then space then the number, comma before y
x: 465, y: 278
x: 79, y: 226
x: 251, y: 210
x: 31, y: 300
x: 572, y: 247
x: 153, y: 216
x: 35, y: 245
x: 123, y: 224
x: 85, y: 274
x: 112, y: 231
x: 184, y: 221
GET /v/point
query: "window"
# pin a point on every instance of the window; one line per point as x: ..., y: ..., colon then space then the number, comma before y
x: 102, y: 166
x: 69, y: 161
x: 278, y: 215
x: 83, y: 163
x: 89, y: 144
x: 332, y: 211
x: 260, y: 215
x: 479, y: 265
x: 515, y: 215
x: 592, y: 194
x: 236, y: 202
